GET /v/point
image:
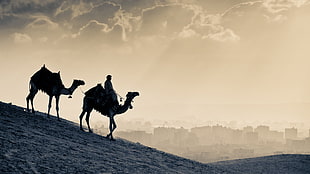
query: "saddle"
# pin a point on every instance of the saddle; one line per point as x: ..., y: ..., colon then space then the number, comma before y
x: 100, y: 97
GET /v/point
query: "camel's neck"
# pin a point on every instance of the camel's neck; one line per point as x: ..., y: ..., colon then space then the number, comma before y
x: 125, y: 107
x: 68, y: 91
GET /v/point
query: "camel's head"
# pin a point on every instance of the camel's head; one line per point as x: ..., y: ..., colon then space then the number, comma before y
x: 130, y: 96
x: 78, y: 82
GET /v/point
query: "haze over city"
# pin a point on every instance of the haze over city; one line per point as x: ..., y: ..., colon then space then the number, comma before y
x: 191, y: 60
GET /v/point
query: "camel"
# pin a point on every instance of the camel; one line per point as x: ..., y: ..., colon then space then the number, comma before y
x: 96, y: 98
x: 51, y: 84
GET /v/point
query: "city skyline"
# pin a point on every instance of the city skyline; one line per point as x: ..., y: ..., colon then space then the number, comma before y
x: 217, y: 142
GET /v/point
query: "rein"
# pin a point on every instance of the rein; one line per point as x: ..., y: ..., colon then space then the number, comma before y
x: 81, y: 91
x: 121, y: 98
x: 70, y: 96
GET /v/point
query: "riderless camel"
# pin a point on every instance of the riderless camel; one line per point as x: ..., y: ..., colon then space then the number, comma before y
x: 51, y: 84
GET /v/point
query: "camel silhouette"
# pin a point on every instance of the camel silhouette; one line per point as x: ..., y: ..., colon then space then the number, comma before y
x: 51, y: 84
x: 96, y: 98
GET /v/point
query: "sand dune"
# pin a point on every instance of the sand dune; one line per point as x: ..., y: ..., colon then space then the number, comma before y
x: 33, y: 143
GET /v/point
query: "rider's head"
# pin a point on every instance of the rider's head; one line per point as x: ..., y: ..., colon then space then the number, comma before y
x: 109, y: 77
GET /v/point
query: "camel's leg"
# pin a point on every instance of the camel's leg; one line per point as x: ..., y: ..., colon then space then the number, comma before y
x: 113, y: 124
x: 110, y: 124
x: 81, y: 117
x: 84, y: 109
x: 30, y: 97
x: 57, y: 106
x: 110, y: 115
x: 32, y: 105
x: 112, y: 127
x: 87, y: 120
x: 27, y: 101
x: 49, y: 105
x: 32, y: 92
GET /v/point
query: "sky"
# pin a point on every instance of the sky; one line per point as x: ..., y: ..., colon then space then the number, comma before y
x: 191, y: 60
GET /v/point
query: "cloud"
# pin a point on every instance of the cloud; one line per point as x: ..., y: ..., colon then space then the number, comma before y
x: 43, y: 29
x: 277, y: 6
x: 15, y: 7
x: 41, y: 22
x: 226, y: 35
x: 103, y: 28
x: 85, y: 15
x: 62, y: 8
x: 43, y: 39
x: 79, y: 8
x: 237, y: 7
x: 197, y: 22
x: 279, y: 18
x: 208, y: 26
x: 130, y: 22
x: 133, y: 19
x: 170, y: 18
x: 276, y: 10
x: 188, y: 33
x: 174, y: 19
x: 126, y: 21
x: 21, y: 38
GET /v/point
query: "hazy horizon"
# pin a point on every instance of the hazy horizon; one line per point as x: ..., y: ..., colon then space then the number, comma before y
x: 198, y: 60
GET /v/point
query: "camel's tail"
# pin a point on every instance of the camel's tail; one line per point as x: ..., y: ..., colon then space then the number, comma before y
x: 29, y: 85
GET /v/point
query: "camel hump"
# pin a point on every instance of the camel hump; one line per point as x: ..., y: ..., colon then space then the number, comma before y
x: 95, y: 91
x: 41, y: 75
x: 44, y: 79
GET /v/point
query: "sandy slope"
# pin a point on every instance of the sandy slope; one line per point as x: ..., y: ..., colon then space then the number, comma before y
x: 36, y: 144
x: 288, y: 163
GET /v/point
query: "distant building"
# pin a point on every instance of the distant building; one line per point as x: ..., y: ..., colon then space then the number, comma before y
x: 275, y: 136
x: 307, y: 142
x: 262, y: 131
x: 251, y: 137
x: 291, y: 133
x: 262, y: 128
x: 180, y: 136
x: 221, y: 134
x: 164, y: 135
x: 204, y: 134
x: 299, y: 146
x: 236, y: 137
x: 247, y: 129
x: 265, y: 135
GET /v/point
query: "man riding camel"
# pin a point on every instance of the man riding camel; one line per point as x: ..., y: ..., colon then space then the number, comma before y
x: 109, y: 90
